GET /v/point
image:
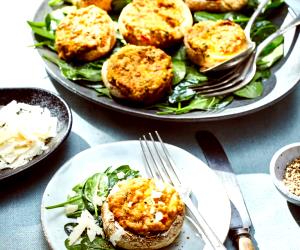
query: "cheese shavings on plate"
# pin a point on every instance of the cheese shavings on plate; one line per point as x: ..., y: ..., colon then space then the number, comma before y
x: 24, y: 132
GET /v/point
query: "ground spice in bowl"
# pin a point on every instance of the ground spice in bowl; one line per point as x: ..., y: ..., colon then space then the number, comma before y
x: 291, y: 176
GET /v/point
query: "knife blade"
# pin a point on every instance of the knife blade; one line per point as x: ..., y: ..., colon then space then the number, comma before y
x: 217, y: 160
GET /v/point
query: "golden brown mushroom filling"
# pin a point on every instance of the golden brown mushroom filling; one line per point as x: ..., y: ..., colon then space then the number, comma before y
x: 145, y: 206
x: 141, y: 73
x: 153, y: 22
x: 85, y: 34
x: 216, y: 41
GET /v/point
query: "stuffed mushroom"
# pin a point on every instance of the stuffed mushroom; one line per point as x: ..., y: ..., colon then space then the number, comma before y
x: 142, y: 213
x: 85, y: 34
x: 138, y: 74
x: 159, y: 23
x: 209, y: 43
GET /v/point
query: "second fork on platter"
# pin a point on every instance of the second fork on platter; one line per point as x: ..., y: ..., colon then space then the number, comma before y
x: 162, y: 167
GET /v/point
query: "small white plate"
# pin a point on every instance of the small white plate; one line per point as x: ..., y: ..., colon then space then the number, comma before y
x: 207, y: 188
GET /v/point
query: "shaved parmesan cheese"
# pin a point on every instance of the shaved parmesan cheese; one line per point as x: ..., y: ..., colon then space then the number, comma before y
x: 71, y: 208
x: 24, y: 130
x: 117, y: 234
x: 85, y: 221
x: 98, y: 200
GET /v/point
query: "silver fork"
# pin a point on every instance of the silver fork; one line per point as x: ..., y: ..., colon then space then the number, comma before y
x: 244, y: 73
x: 161, y: 166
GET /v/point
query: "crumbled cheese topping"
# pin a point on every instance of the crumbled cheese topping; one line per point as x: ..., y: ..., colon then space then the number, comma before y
x: 24, y: 130
x: 85, y: 221
x: 120, y: 175
x: 155, y: 194
x: 152, y: 210
x: 159, y: 216
x: 160, y: 186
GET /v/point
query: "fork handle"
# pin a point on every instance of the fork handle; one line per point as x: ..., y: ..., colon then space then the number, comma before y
x: 242, y: 239
x: 203, y: 227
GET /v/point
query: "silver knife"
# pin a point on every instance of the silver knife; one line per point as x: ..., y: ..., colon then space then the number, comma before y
x: 217, y: 160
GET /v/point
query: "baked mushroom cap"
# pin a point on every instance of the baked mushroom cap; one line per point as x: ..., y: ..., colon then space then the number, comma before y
x: 85, y: 34
x: 127, y: 215
x: 159, y: 23
x: 209, y: 43
x: 138, y: 74
x: 216, y: 5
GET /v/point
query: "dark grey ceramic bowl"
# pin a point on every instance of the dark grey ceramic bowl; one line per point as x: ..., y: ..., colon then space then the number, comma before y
x: 58, y: 108
x: 279, y: 161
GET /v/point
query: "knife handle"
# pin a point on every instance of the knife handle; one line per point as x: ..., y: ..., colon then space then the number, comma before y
x: 242, y: 239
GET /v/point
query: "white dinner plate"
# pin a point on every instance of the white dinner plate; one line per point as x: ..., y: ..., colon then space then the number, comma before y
x: 212, y: 200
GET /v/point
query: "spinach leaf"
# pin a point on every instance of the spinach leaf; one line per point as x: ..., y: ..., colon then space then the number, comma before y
x: 180, y: 54
x: 270, y: 59
x: 118, y: 5
x: 69, y: 227
x: 89, y: 71
x: 225, y: 102
x: 232, y: 16
x: 194, y: 76
x: 255, y: 88
x: 103, y: 91
x: 72, y: 247
x: 95, y: 188
x: 54, y: 3
x: 57, y: 3
x: 123, y: 172
x: 274, y: 44
x: 40, y: 29
x: 252, y: 4
x: 274, y: 4
x: 261, y: 30
x: 47, y: 43
x: 179, y: 71
x: 97, y: 244
x: 75, y: 199
x: 181, y: 93
x: 198, y: 103
x: 252, y: 90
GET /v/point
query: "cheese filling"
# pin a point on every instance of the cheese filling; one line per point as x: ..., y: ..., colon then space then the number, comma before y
x: 141, y: 207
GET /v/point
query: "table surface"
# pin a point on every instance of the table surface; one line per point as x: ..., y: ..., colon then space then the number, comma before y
x: 250, y: 141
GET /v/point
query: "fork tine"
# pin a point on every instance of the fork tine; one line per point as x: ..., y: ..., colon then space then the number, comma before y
x: 164, y: 162
x: 246, y: 76
x: 154, y: 168
x: 243, y: 75
x: 217, y: 83
x: 148, y: 165
x: 170, y: 163
x: 202, y: 227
